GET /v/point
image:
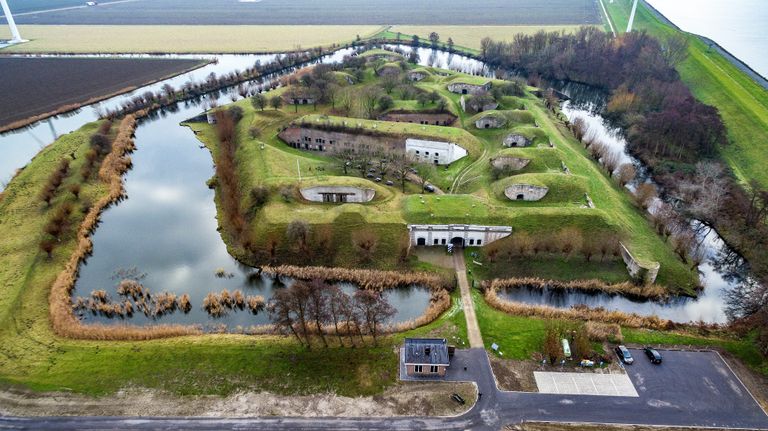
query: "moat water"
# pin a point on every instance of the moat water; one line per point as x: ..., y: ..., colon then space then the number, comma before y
x: 168, y: 230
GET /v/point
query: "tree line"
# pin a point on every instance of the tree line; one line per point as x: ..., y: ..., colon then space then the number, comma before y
x: 312, y: 310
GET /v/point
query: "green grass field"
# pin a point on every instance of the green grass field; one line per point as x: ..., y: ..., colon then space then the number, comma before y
x: 475, y: 197
x: 182, y: 39
x: 743, y: 104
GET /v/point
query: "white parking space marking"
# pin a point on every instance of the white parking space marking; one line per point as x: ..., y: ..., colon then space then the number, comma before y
x: 585, y: 384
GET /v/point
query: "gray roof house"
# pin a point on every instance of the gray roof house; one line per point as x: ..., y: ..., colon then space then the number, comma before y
x: 426, y: 356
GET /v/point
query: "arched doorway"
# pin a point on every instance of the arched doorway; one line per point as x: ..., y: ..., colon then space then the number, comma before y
x: 457, y: 241
x: 421, y: 241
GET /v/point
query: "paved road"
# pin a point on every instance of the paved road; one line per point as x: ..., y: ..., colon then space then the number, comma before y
x: 473, y: 329
x: 689, y: 389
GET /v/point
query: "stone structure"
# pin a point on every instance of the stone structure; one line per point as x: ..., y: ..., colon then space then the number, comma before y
x: 337, y: 194
x: 308, y: 138
x: 300, y: 96
x: 516, y: 140
x: 645, y: 273
x: 436, y: 152
x: 490, y: 122
x: 514, y: 163
x: 429, y: 118
x: 457, y: 234
x: 467, y: 88
x: 525, y: 192
x: 425, y: 356
x: 417, y: 75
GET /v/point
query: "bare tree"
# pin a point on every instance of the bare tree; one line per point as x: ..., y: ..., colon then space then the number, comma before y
x: 281, y: 313
x: 317, y: 306
x: 298, y: 232
x: 259, y: 101
x: 365, y: 242
x: 626, y: 173
x: 374, y: 309
x: 276, y: 102
x: 368, y: 99
x: 338, y: 302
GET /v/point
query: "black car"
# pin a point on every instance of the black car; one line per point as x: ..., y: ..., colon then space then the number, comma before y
x: 653, y: 355
x: 624, y: 355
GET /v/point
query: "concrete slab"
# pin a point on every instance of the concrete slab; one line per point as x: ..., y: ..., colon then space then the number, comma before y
x: 585, y: 384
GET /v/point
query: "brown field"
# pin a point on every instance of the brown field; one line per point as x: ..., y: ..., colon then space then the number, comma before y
x: 36, y: 88
x: 80, y: 39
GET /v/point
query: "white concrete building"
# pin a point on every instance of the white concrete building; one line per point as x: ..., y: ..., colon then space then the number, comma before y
x: 462, y: 235
x: 439, y: 153
x: 338, y: 194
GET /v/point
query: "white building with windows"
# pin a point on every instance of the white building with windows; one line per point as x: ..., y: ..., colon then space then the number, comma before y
x: 460, y: 235
x: 435, y: 152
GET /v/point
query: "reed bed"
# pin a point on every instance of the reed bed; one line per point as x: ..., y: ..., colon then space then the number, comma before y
x: 136, y: 298
x: 628, y: 289
x: 363, y: 278
x: 599, y: 331
x: 218, y: 304
x: 577, y: 313
x: 63, y: 319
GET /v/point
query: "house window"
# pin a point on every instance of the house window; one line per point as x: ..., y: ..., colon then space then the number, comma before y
x: 479, y: 241
x: 418, y: 369
x: 471, y: 241
x: 435, y: 241
x: 442, y: 241
x: 426, y: 153
x: 433, y: 368
x: 417, y: 151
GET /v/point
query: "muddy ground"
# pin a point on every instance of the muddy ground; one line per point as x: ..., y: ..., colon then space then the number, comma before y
x: 518, y: 375
x: 403, y: 399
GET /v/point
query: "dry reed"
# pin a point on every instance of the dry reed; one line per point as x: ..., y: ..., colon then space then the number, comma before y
x: 598, y: 331
x: 631, y: 290
x: 63, y: 320
x: 581, y: 312
x: 363, y: 278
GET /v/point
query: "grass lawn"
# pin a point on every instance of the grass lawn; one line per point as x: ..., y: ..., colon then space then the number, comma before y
x: 32, y: 356
x: 182, y: 38
x: 743, y: 104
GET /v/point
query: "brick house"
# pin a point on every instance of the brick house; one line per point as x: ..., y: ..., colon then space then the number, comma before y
x: 426, y: 356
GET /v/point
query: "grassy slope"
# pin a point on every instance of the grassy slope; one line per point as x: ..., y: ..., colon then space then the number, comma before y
x: 181, y: 39
x: 743, y: 104
x: 276, y: 164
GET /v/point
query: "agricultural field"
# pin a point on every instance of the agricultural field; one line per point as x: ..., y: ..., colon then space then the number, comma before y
x: 80, y: 39
x: 333, y: 12
x: 474, y: 193
x: 34, y: 88
x: 742, y: 103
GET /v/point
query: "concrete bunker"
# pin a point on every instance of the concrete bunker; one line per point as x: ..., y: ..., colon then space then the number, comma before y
x: 516, y: 140
x: 525, y: 192
x: 460, y: 235
x: 490, y: 122
x: 513, y: 163
x: 338, y: 194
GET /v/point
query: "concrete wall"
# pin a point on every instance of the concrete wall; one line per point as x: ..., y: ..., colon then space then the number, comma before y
x: 490, y: 122
x: 464, y: 88
x: 516, y: 140
x: 527, y: 192
x: 443, y: 234
x: 643, y: 273
x: 514, y: 163
x: 436, y: 119
x: 439, y: 153
x: 353, y: 194
x: 306, y: 138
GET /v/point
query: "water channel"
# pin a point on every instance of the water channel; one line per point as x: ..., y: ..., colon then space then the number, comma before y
x: 167, y: 226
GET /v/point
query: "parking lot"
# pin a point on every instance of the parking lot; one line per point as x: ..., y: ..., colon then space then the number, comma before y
x: 692, y: 382
x: 618, y: 385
